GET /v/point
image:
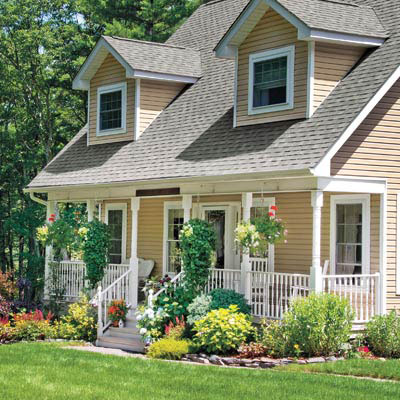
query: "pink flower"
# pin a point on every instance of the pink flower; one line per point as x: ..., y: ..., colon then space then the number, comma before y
x: 363, y: 349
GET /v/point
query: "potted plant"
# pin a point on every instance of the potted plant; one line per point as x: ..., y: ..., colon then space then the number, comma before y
x: 117, y: 312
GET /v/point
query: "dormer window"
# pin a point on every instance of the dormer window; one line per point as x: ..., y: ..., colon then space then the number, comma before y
x: 111, y: 109
x: 271, y: 80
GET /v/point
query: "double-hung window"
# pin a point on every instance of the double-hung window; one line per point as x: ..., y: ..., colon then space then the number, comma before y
x: 271, y: 80
x: 111, y: 109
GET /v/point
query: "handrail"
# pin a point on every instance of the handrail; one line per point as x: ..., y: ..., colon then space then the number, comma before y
x: 174, y: 281
x: 119, y: 289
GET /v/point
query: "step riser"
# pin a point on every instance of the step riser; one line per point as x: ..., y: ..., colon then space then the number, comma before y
x: 125, y: 335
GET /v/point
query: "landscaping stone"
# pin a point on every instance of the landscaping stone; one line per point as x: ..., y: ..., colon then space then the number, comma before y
x: 302, y: 362
x: 251, y: 365
x: 192, y: 357
x: 265, y: 365
x: 315, y: 360
x: 331, y: 358
x: 230, y: 361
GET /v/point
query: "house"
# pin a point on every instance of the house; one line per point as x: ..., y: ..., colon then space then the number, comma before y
x: 294, y: 103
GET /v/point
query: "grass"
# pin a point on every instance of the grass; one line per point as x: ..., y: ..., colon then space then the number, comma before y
x: 46, y: 371
x: 389, y: 369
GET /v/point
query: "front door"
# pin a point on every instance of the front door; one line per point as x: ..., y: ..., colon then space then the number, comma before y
x: 224, y: 220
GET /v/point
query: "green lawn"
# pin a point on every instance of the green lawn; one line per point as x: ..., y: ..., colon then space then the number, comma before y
x: 45, y: 371
x: 389, y: 369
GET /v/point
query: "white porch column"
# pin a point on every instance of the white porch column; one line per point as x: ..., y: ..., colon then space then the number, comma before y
x: 51, y: 208
x: 317, y: 201
x: 187, y: 206
x: 247, y: 202
x: 134, y: 262
x: 91, y: 206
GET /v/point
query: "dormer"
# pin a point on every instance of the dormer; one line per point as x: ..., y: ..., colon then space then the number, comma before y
x: 288, y: 59
x: 129, y: 83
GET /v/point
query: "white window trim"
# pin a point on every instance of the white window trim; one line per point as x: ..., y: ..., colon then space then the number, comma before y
x: 123, y: 207
x: 168, y: 205
x: 365, y: 200
x: 108, y: 89
x: 397, y: 243
x: 289, y: 52
x: 267, y: 202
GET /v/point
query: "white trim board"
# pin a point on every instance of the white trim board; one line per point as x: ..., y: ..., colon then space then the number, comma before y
x: 365, y: 200
x: 398, y: 243
x: 310, y: 79
x: 324, y: 165
x: 124, y: 208
x: 137, y: 108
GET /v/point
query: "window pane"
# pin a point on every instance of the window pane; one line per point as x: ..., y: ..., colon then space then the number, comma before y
x: 115, y: 224
x: 175, y: 222
x: 111, y: 110
x: 270, y: 81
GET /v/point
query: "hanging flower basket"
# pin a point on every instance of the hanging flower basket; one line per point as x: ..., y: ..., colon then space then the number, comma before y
x: 255, y: 235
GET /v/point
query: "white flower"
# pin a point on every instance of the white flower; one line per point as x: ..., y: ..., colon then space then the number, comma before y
x: 143, y: 331
x: 139, y: 317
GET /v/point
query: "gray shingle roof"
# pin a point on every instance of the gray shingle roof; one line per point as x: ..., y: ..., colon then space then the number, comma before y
x: 194, y: 135
x: 157, y: 57
x: 337, y: 16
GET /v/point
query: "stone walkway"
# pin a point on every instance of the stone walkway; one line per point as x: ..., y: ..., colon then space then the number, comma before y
x: 105, y: 350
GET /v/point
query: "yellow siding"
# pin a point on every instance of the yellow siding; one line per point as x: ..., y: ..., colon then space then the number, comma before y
x: 332, y: 63
x: 374, y: 150
x: 154, y: 97
x: 111, y: 72
x: 271, y: 32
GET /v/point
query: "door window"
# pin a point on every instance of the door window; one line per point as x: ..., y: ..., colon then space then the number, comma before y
x: 115, y: 223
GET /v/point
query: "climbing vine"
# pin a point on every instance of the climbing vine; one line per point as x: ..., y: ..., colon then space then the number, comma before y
x: 197, y: 241
x: 96, y: 243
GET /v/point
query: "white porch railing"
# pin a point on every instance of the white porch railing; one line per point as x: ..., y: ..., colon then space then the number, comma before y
x: 362, y: 291
x: 224, y: 279
x: 173, y: 284
x: 271, y: 292
x: 118, y: 290
x: 71, y: 277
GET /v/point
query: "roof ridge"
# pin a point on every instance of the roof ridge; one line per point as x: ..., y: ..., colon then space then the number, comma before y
x: 149, y: 42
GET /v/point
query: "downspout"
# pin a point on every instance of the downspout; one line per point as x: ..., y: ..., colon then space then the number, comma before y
x: 37, y: 199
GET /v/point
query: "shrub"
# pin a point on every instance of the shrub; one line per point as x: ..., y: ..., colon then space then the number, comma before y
x: 31, y: 326
x: 198, y: 308
x: 176, y: 329
x: 169, y: 349
x: 383, y: 335
x: 223, y: 330
x: 223, y: 298
x: 317, y: 325
x: 252, y: 350
x: 274, y: 340
x: 79, y: 323
x: 197, y: 243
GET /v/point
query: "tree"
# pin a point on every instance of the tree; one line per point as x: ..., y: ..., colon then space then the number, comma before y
x: 152, y: 20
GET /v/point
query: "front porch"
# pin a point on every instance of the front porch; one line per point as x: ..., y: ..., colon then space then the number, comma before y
x: 335, y: 242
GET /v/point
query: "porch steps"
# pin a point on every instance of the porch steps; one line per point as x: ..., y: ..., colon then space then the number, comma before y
x: 127, y: 338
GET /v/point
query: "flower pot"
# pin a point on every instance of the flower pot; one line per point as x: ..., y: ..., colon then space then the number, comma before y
x: 115, y: 324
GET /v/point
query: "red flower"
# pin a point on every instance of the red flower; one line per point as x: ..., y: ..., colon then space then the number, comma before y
x: 51, y: 219
x: 53, y: 215
x: 274, y: 208
x: 271, y: 214
x: 363, y: 349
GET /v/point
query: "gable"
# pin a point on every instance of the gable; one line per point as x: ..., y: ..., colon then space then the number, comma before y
x: 272, y: 31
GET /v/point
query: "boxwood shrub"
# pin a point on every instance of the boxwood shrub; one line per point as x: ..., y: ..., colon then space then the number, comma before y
x: 223, y: 298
